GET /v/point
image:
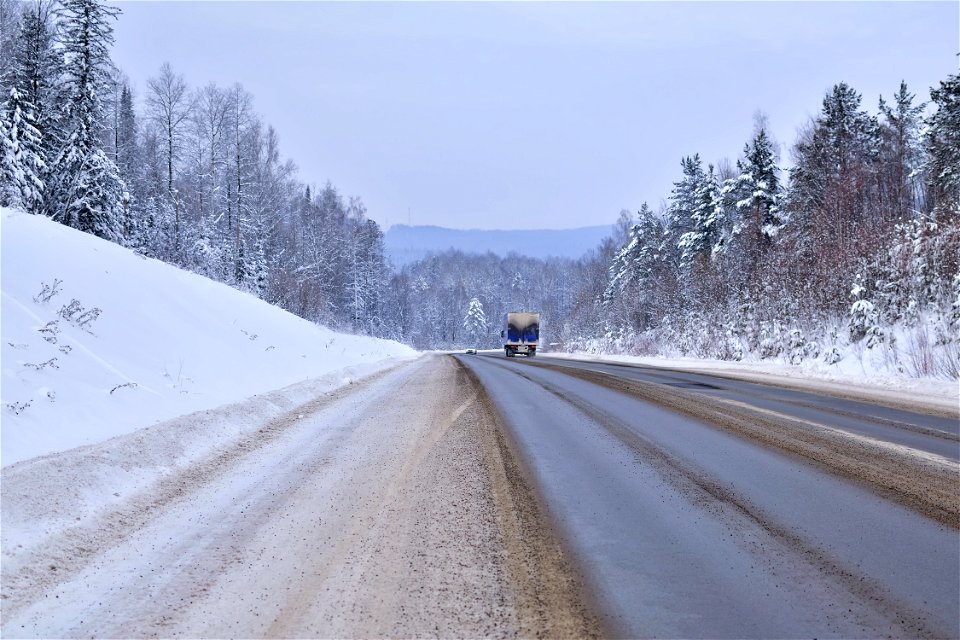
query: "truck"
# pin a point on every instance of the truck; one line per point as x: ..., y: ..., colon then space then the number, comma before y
x: 522, y: 333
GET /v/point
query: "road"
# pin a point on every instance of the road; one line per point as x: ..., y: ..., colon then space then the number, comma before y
x: 480, y: 496
x: 699, y: 506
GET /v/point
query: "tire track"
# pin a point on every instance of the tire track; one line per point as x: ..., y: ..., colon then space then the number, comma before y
x: 740, y: 515
x: 927, y: 487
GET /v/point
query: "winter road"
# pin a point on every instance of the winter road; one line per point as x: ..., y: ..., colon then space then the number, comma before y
x: 480, y: 496
x: 702, y: 506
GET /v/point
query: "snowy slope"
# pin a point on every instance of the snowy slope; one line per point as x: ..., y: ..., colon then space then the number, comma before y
x: 165, y: 342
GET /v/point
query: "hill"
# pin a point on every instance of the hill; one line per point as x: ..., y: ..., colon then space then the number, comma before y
x: 405, y: 244
x: 98, y: 341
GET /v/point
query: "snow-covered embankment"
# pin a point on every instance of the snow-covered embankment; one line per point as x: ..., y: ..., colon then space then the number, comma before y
x: 149, y: 366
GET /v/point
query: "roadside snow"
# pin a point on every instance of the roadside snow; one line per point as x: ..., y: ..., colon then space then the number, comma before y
x: 117, y: 342
x: 937, y: 394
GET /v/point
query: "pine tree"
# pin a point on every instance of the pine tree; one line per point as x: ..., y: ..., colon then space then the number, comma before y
x: 21, y: 163
x: 127, y: 148
x: 475, y: 322
x: 943, y: 144
x: 704, y: 215
x: 902, y: 153
x: 758, y: 192
x: 85, y: 191
x: 28, y: 111
x: 833, y: 197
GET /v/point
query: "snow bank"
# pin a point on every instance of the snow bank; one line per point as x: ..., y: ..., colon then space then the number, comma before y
x: 98, y: 341
x: 852, y: 376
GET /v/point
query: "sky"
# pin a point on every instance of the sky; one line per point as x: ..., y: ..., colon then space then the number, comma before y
x: 532, y: 115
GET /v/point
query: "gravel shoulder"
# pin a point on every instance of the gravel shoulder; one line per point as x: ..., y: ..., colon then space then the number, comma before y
x: 390, y: 508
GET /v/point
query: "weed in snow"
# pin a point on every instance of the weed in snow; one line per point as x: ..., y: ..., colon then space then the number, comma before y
x: 48, y: 291
x: 125, y: 385
x: 18, y: 407
x: 49, y: 331
x: 52, y: 363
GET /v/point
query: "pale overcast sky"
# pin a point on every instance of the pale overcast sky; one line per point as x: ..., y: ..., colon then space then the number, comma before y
x: 531, y: 115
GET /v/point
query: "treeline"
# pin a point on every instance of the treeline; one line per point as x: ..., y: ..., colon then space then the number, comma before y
x: 189, y: 175
x: 857, y: 244
x: 852, y: 250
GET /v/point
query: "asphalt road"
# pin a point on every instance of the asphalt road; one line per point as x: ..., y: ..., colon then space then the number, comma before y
x: 700, y: 506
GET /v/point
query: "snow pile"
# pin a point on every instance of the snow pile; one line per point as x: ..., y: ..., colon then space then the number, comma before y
x: 98, y: 341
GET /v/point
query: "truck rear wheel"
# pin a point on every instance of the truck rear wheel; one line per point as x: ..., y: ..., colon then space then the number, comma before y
x: 509, y: 353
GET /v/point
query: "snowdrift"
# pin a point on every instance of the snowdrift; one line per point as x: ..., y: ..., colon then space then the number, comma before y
x: 98, y: 341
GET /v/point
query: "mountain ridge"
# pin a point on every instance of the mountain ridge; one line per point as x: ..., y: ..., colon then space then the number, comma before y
x: 408, y: 243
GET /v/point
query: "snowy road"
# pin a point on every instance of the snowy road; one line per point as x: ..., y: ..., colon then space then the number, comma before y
x: 478, y: 496
x: 390, y: 508
x: 705, y: 507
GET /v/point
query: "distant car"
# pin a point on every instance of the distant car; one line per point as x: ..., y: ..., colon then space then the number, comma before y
x: 471, y: 350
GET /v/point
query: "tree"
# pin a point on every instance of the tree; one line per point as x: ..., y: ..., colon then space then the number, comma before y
x: 943, y: 144
x: 26, y: 113
x: 901, y: 150
x: 21, y: 163
x: 126, y: 137
x: 475, y: 322
x: 10, y: 11
x: 706, y: 218
x: 169, y: 107
x: 85, y: 191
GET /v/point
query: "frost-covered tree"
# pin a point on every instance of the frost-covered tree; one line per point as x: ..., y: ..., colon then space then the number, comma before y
x: 85, y: 191
x: 28, y: 109
x: 943, y: 144
x: 169, y: 106
x: 10, y: 11
x: 757, y: 193
x: 127, y: 145
x: 475, y: 322
x: 706, y: 219
x: 902, y: 153
x: 831, y: 184
x: 636, y: 271
x: 21, y: 162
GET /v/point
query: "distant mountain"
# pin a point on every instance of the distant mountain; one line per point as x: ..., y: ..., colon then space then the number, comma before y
x: 405, y: 244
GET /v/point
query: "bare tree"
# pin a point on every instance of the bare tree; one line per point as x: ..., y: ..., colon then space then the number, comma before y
x: 169, y: 105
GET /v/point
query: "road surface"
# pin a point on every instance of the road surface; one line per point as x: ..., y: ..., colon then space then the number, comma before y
x: 703, y: 506
x: 480, y: 496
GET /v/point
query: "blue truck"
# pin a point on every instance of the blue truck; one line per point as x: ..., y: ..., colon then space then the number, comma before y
x: 522, y: 334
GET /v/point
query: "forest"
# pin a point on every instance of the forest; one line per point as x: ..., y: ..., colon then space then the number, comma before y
x: 844, y: 243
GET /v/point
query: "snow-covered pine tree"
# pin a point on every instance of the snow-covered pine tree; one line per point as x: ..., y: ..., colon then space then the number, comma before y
x: 10, y: 13
x: 902, y: 153
x: 126, y: 137
x: 634, y: 270
x: 32, y: 73
x: 683, y: 198
x: 832, y: 176
x: 757, y: 192
x: 475, y: 322
x: 943, y: 144
x: 21, y: 163
x: 85, y: 190
x: 698, y: 243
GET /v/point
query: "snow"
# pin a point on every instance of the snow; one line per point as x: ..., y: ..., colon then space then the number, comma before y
x: 852, y: 374
x: 164, y: 344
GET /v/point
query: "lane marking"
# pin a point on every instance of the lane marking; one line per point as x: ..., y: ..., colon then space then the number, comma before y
x: 894, y: 447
